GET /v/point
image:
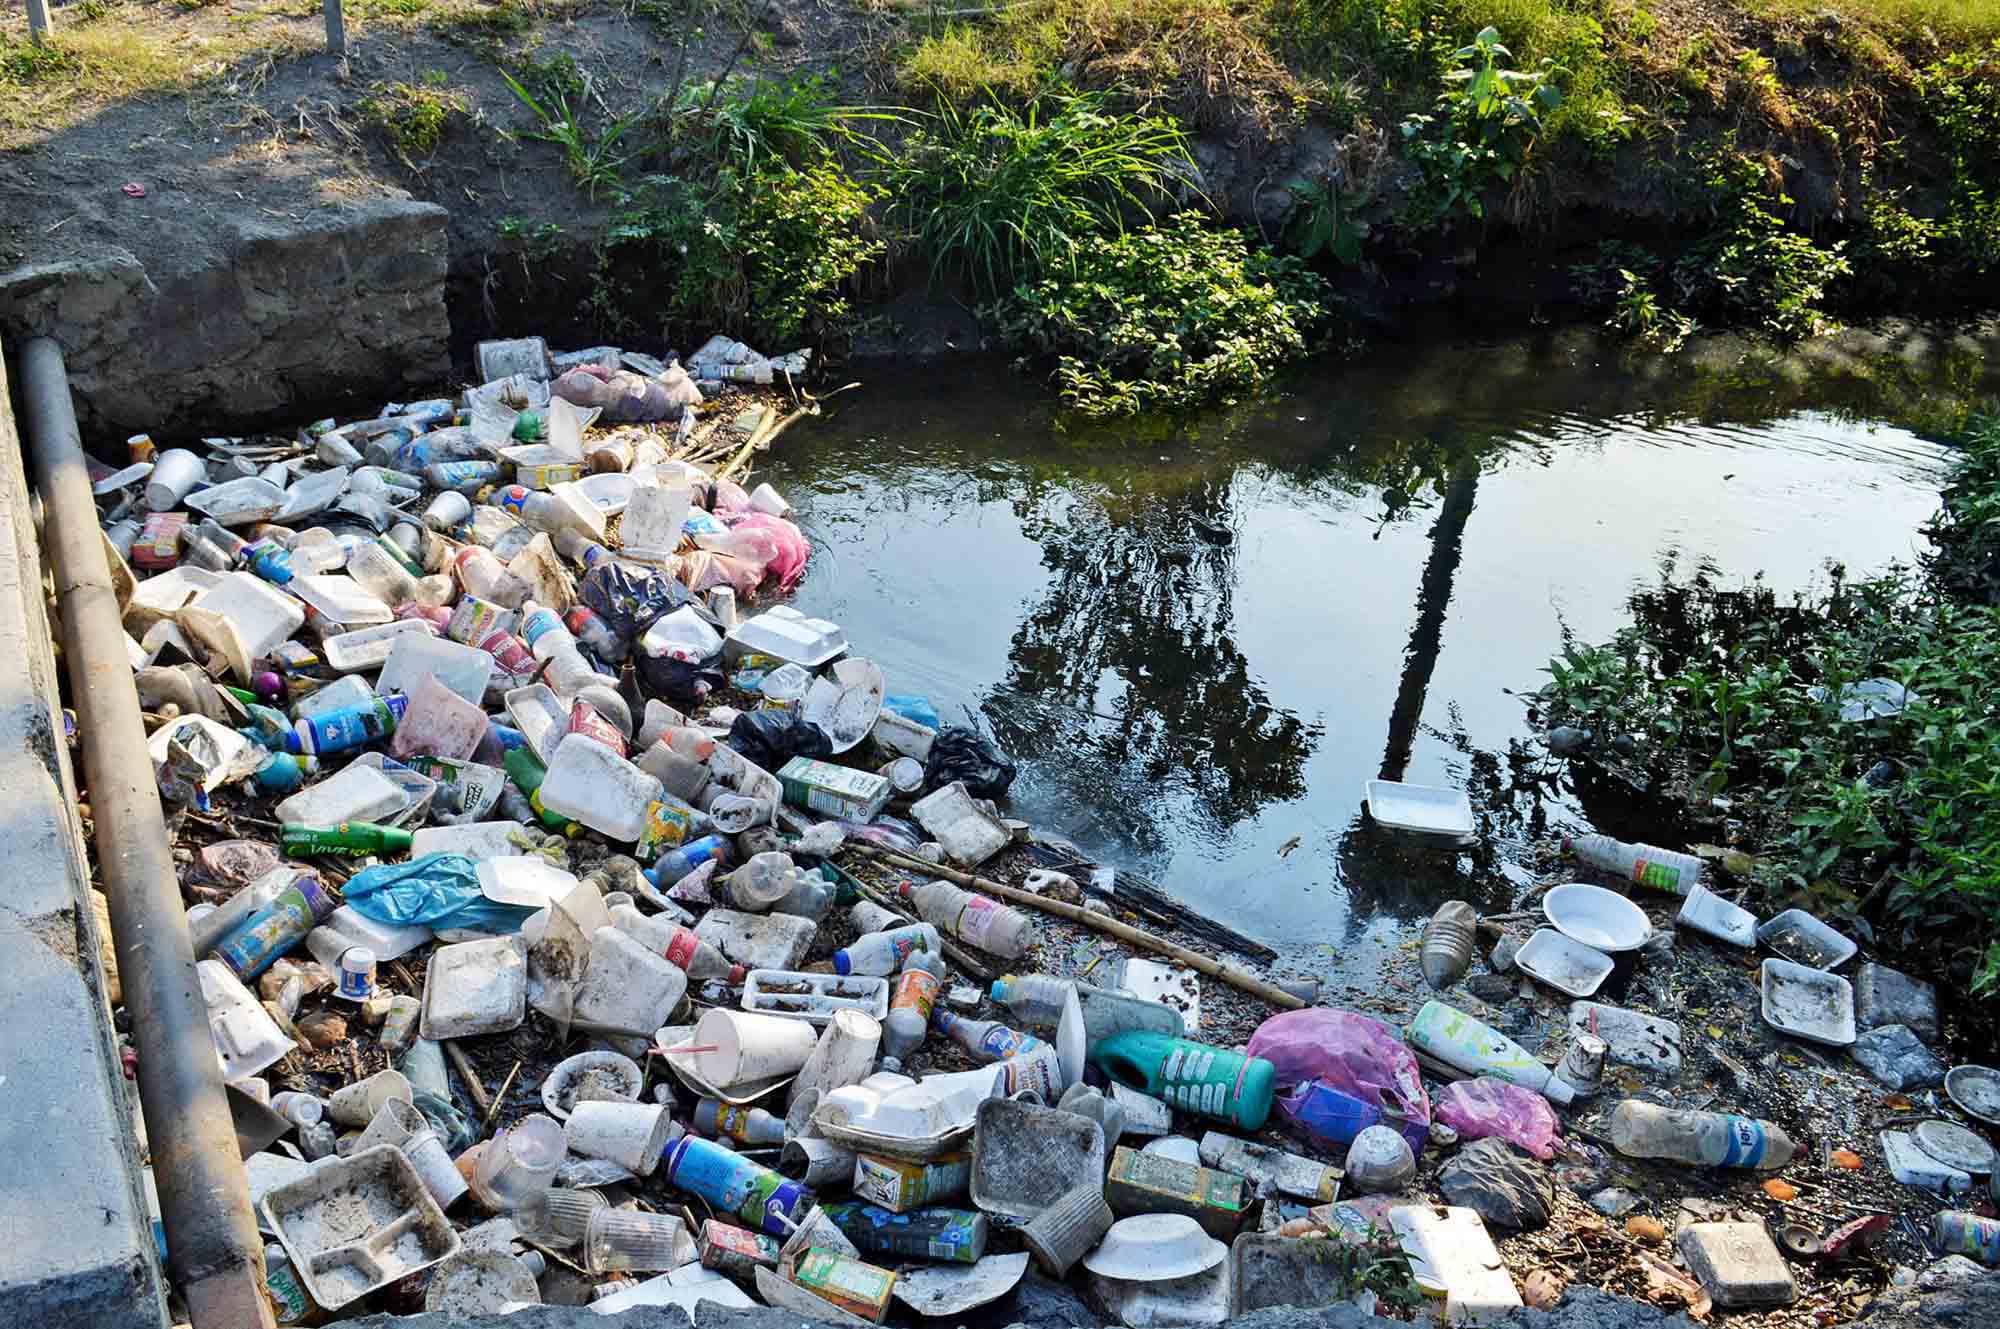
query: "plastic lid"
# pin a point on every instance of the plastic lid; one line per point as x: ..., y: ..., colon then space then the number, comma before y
x: 999, y: 987
x: 841, y: 964
x: 737, y: 973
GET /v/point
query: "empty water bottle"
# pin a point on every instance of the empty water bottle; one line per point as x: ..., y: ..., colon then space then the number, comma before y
x: 1446, y: 952
x: 1660, y: 869
x: 1708, y: 1139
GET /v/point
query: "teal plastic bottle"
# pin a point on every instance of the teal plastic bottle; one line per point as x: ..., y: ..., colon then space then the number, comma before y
x: 1194, y: 1077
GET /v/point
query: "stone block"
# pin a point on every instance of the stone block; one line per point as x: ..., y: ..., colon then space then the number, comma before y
x: 1738, y: 1264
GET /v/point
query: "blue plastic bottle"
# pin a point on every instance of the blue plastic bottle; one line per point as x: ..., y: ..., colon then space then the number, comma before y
x: 349, y: 727
x: 671, y: 866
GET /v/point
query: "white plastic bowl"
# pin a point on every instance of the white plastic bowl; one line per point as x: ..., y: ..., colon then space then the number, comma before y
x: 1154, y: 1247
x: 1601, y: 919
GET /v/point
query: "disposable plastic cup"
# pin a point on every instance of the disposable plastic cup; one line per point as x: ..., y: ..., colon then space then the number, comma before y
x: 632, y: 1135
x: 905, y: 774
x: 627, y: 1239
x: 519, y: 1163
x: 816, y: 1162
x: 175, y: 475
x: 447, y: 510
x: 844, y: 1055
x: 1584, y: 1062
x: 393, y: 1123
x: 435, y: 1167
x: 357, y: 1104
x: 1064, y: 1232
x: 299, y: 1109
x: 558, y: 1217
x: 751, y: 1047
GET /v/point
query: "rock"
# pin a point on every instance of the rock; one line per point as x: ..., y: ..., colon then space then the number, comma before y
x: 1615, y: 1202
x: 1738, y: 1264
x: 1897, y: 1058
x: 1494, y: 989
x: 1566, y: 739
x: 1949, y: 1272
x: 1631, y: 1038
x: 1504, y: 951
x: 1503, y: 1186
x: 1883, y: 996
x: 1640, y: 1227
x: 322, y: 1029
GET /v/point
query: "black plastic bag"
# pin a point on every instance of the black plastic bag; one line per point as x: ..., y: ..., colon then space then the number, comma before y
x: 630, y: 600
x: 677, y: 681
x: 772, y: 738
x: 958, y: 753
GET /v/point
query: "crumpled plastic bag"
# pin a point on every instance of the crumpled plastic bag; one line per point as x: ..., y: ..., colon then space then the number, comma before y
x: 678, y: 681
x: 703, y: 569
x: 789, y: 550
x: 625, y: 397
x: 438, y: 891
x: 1328, y: 1059
x: 772, y: 738
x: 968, y: 756
x: 1485, y: 1107
x: 629, y: 599
x: 727, y: 496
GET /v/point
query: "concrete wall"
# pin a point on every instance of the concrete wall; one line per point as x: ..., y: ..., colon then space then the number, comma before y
x: 276, y: 317
x: 76, y: 1241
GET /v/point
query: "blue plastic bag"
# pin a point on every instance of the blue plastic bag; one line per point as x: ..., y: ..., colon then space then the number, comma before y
x: 436, y: 891
x: 918, y: 709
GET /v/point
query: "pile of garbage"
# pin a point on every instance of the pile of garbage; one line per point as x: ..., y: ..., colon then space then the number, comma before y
x: 572, y: 933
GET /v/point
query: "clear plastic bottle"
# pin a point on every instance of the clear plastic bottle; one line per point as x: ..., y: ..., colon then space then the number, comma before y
x: 757, y: 886
x: 1705, y: 1139
x: 975, y: 919
x: 481, y: 573
x: 1035, y: 1000
x: 811, y: 897
x: 1446, y: 952
x: 748, y: 1124
x: 909, y: 1018
x: 543, y: 629
x: 987, y: 1040
x: 375, y: 571
x: 681, y: 947
x: 1659, y: 869
x: 885, y: 952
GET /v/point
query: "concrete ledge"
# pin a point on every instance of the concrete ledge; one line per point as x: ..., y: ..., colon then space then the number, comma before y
x: 76, y: 1240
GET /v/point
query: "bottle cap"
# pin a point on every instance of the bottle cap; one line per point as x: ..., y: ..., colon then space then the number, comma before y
x: 737, y: 973
x: 999, y: 986
x: 841, y: 964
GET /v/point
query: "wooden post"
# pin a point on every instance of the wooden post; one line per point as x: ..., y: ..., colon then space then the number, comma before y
x: 38, y: 21
x: 336, y: 28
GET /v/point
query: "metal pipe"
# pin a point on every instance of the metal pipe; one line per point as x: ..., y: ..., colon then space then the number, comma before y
x: 214, y: 1253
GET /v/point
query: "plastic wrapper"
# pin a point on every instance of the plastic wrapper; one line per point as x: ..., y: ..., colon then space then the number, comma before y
x: 910, y: 707
x: 966, y: 755
x: 728, y: 496
x: 705, y: 568
x: 772, y: 738
x: 1486, y: 1107
x: 628, y: 599
x: 437, y: 891
x: 1328, y: 1060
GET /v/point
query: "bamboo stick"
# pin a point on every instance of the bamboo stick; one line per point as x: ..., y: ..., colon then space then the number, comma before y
x: 1125, y: 932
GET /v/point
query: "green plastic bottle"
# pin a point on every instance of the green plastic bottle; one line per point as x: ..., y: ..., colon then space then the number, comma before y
x: 350, y: 837
x: 527, y: 774
x: 1194, y: 1077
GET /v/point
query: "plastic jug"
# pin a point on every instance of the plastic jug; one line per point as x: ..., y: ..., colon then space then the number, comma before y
x: 1194, y: 1077
x: 590, y: 783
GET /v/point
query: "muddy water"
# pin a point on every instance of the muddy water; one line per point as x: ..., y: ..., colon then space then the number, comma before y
x: 1200, y: 640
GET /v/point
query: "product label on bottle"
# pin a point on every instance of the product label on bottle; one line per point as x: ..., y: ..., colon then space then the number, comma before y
x: 977, y: 919
x: 916, y: 990
x: 289, y: 1302
x: 1039, y: 1069
x: 1657, y: 876
x: 1001, y: 1043
x: 907, y: 942
x: 680, y: 951
x: 1746, y: 1142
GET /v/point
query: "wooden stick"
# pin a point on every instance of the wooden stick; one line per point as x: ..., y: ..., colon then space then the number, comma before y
x: 1125, y: 932
x: 486, y: 1123
x: 468, y: 1073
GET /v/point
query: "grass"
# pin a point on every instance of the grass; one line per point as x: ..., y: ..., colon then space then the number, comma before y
x: 1954, y: 22
x: 413, y: 116
x: 1887, y: 827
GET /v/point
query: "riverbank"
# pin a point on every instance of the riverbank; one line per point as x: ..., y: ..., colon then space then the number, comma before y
x: 1739, y: 164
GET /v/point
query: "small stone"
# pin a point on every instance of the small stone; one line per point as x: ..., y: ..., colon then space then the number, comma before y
x: 1541, y: 1289
x: 1500, y: 1184
x: 1882, y: 996
x: 1494, y: 989
x: 322, y: 1029
x: 1615, y: 1202
x: 1738, y: 1264
x: 1896, y: 1057
x: 1503, y: 955
x: 1565, y: 739
x: 1640, y: 1227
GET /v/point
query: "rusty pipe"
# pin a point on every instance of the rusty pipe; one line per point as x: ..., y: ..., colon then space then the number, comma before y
x: 214, y: 1253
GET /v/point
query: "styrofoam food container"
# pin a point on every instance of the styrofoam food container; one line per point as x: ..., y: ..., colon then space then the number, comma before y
x: 1565, y: 964
x: 786, y: 634
x: 1604, y: 920
x: 1815, y: 944
x: 355, y: 1224
x: 1705, y: 911
x: 559, y: 1085
x: 1155, y: 1247
x: 846, y: 701
x: 825, y: 995
x: 369, y: 647
x: 1808, y: 1003
x: 1420, y: 809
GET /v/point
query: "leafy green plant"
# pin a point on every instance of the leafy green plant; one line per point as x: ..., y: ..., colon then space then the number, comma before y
x: 1484, y: 126
x: 1164, y: 317
x: 1325, y: 222
x: 593, y: 158
x: 27, y: 62
x: 747, y: 122
x: 1748, y: 266
x: 767, y: 255
x: 999, y: 192
x: 413, y: 116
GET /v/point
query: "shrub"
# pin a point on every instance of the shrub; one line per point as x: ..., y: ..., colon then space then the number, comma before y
x: 1748, y: 267
x: 1165, y: 317
x: 998, y: 193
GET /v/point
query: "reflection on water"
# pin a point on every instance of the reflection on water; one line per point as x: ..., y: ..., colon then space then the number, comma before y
x: 1200, y: 640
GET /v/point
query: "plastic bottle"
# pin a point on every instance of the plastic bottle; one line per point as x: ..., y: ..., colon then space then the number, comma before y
x: 350, y: 837
x: 276, y: 928
x: 1194, y: 1077
x: 681, y: 947
x: 1460, y: 1041
x: 760, y: 883
x: 210, y: 928
x: 527, y: 773
x: 671, y: 866
x: 282, y: 773
x: 381, y: 574
x: 594, y: 634
x: 867, y: 916
x: 748, y: 1124
x: 885, y: 952
x: 464, y: 477
x: 481, y: 573
x: 759, y: 1197
x: 811, y: 896
x: 1446, y: 952
x: 1033, y: 999
x: 543, y: 629
x: 1706, y: 1139
x: 975, y: 919
x: 1957, y: 1232
x: 509, y: 652
x: 1660, y: 869
x: 909, y: 1017
x: 987, y: 1040
x: 349, y: 727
